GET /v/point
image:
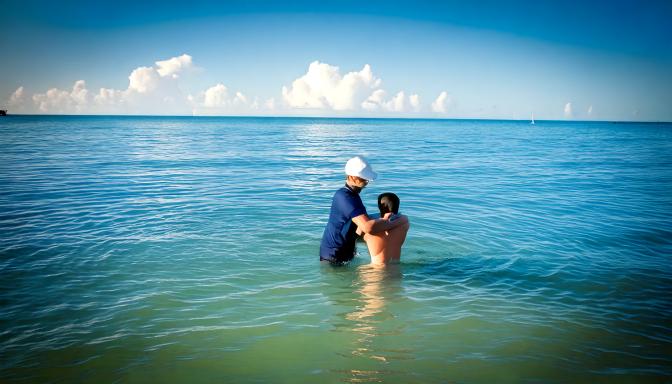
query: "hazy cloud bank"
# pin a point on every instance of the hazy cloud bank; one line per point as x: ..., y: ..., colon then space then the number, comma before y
x: 158, y: 89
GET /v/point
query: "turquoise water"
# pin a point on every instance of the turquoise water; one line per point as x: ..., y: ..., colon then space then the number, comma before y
x: 185, y: 250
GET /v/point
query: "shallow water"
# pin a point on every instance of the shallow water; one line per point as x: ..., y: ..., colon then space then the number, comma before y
x: 137, y: 249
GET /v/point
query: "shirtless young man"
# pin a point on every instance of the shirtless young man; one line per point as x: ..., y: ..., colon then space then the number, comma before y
x: 348, y: 215
x: 385, y: 247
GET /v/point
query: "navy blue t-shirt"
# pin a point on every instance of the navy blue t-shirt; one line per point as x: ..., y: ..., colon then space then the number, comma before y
x: 338, y: 240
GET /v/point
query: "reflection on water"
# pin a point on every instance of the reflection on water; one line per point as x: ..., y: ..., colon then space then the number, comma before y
x: 373, y: 320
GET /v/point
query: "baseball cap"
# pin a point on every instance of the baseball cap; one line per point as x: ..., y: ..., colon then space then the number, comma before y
x: 358, y: 166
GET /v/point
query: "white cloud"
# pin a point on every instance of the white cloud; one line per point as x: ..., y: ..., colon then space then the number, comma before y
x: 375, y: 101
x: 54, y: 100
x: 240, y: 99
x: 157, y: 90
x: 323, y: 87
x: 590, y: 111
x: 143, y: 80
x: 443, y: 103
x: 568, y: 110
x: 79, y: 93
x: 108, y: 96
x: 151, y: 90
x: 217, y: 100
x: 216, y: 96
x: 398, y: 103
x: 17, y: 97
x: 60, y: 101
x: 415, y: 102
x: 174, y: 65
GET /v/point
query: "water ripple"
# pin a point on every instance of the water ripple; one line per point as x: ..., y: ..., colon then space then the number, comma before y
x: 161, y: 249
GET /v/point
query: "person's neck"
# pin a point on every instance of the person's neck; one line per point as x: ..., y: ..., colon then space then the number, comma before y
x: 353, y: 188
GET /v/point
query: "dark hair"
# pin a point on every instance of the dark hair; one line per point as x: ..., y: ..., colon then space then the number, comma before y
x: 388, y: 202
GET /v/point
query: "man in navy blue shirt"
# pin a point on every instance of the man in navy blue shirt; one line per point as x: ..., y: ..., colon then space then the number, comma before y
x: 348, y: 213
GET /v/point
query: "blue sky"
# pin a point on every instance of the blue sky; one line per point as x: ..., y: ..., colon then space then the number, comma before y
x: 488, y: 59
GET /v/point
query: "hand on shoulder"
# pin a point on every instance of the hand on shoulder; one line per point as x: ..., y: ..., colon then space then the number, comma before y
x: 395, y: 216
x: 399, y: 218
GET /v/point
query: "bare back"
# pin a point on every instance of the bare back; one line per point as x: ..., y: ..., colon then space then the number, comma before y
x: 385, y: 247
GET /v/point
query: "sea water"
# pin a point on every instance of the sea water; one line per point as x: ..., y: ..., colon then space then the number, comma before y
x: 180, y: 249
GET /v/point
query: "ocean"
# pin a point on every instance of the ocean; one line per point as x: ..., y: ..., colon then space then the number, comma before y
x: 185, y: 249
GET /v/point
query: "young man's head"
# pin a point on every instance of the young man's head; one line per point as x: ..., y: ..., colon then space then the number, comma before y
x: 388, y: 202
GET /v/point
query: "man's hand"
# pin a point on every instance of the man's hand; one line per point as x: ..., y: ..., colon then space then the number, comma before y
x: 370, y: 226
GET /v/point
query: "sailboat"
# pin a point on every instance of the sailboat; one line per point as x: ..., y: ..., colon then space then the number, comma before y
x: 532, y: 122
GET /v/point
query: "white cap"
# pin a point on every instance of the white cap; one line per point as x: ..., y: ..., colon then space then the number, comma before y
x: 358, y: 166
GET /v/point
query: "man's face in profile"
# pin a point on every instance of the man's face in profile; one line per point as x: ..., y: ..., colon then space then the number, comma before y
x: 359, y: 182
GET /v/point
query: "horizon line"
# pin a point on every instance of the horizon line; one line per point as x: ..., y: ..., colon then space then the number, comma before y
x: 346, y: 117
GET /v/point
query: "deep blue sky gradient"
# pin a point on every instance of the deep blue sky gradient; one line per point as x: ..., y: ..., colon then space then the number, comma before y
x: 632, y: 27
x: 502, y: 58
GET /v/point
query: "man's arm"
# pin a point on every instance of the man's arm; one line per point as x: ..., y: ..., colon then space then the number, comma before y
x: 371, y: 226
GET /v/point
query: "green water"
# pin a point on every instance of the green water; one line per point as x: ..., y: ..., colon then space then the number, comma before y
x: 186, y: 250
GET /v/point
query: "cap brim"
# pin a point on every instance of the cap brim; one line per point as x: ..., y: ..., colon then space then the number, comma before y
x: 370, y: 175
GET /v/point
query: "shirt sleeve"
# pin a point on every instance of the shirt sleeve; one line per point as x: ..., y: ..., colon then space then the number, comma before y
x: 355, y: 207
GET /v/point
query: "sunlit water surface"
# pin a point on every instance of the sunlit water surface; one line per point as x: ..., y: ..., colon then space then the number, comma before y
x: 185, y: 250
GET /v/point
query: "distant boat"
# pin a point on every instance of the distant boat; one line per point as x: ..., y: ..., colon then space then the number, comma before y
x: 3, y: 112
x: 532, y: 122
